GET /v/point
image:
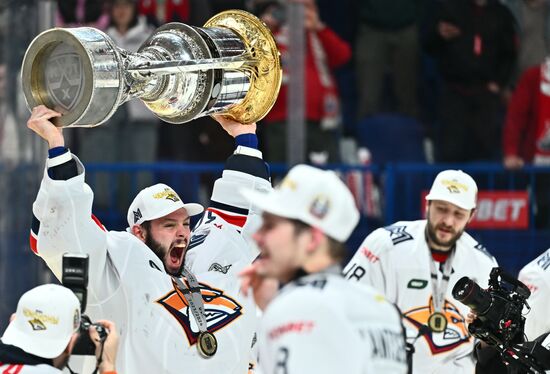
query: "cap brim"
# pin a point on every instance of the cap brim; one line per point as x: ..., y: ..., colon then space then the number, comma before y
x: 270, y: 202
x: 446, y: 198
x: 193, y: 208
x: 45, y: 348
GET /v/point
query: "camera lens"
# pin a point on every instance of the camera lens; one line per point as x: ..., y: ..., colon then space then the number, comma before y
x: 469, y: 293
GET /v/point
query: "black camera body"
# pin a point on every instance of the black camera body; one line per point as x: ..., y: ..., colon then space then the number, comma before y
x: 499, y: 308
x: 75, y: 277
x: 500, y: 321
x: 84, y: 345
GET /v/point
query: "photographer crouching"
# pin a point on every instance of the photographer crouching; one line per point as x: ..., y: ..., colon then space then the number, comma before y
x: 46, y: 327
x: 497, y: 319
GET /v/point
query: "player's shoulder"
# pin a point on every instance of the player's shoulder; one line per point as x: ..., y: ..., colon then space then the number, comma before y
x: 540, y: 265
x: 396, y: 235
x: 474, y: 248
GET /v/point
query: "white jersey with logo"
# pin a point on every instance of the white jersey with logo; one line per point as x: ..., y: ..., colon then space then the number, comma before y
x: 128, y: 285
x: 321, y: 324
x: 396, y: 261
x: 536, y: 275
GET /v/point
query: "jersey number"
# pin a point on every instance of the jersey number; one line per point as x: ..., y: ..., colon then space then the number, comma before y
x: 355, y: 271
x: 282, y: 360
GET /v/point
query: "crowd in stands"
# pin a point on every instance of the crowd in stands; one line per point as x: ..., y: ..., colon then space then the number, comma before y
x: 455, y: 70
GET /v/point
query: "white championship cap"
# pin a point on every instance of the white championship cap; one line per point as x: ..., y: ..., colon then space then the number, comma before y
x: 316, y: 197
x: 455, y: 187
x: 46, y: 318
x: 158, y: 201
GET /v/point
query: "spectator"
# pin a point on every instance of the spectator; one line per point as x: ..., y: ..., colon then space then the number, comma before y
x: 76, y: 13
x: 473, y: 43
x: 316, y: 317
x: 526, y: 135
x: 44, y: 330
x: 192, y: 12
x: 415, y: 265
x: 387, y: 40
x: 133, y: 123
x: 325, y: 51
x: 533, y: 21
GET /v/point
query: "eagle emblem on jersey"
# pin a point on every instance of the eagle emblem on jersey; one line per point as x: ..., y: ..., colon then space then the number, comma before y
x: 455, y: 334
x: 220, y: 310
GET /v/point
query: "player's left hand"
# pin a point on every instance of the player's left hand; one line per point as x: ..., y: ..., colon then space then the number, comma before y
x: 233, y: 127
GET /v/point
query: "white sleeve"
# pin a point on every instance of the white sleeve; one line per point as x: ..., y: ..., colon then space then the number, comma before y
x: 367, y: 265
x: 536, y: 321
x: 63, y: 209
x: 307, y: 335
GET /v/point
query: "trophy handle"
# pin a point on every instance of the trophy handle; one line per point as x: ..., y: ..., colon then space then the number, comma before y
x: 265, y: 74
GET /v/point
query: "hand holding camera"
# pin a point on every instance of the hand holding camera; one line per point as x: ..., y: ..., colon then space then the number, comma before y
x: 104, y: 336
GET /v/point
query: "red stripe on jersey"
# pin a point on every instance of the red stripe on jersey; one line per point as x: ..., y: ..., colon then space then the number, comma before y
x: 98, y: 222
x: 33, y: 242
x: 234, y: 220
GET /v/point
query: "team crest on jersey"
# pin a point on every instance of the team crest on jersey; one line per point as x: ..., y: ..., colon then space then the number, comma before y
x: 455, y: 334
x: 220, y: 309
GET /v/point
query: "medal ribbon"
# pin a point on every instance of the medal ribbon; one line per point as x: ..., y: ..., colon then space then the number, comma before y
x: 194, y: 298
x: 440, y: 288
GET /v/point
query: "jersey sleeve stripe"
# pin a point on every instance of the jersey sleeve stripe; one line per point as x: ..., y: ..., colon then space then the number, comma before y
x: 234, y: 220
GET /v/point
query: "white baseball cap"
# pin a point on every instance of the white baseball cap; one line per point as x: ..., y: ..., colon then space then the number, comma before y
x: 46, y: 318
x: 316, y: 197
x: 158, y: 201
x: 455, y: 187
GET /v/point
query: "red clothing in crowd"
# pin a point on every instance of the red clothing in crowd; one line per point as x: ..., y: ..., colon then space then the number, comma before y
x: 522, y: 117
x: 337, y: 52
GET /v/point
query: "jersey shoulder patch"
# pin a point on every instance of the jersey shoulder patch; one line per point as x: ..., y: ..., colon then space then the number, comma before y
x: 543, y: 261
x: 398, y: 234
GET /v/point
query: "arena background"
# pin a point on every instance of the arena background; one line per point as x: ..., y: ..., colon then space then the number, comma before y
x: 386, y: 191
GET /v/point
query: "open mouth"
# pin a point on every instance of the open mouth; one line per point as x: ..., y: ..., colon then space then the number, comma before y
x: 176, y: 255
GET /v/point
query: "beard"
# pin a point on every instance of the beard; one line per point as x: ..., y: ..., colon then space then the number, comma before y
x: 431, y: 232
x: 160, y: 251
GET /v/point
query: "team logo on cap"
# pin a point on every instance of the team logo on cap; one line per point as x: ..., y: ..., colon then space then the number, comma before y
x: 37, y: 325
x: 38, y: 320
x: 167, y: 194
x: 320, y: 206
x: 288, y: 183
x: 137, y: 215
x: 454, y: 186
x: 220, y: 310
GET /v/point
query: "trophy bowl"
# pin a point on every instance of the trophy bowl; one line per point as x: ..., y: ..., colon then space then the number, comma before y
x: 231, y: 66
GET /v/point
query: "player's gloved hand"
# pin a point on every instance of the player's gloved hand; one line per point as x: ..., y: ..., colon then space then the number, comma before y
x: 110, y: 346
x: 233, y: 127
x: 40, y: 123
x: 263, y: 289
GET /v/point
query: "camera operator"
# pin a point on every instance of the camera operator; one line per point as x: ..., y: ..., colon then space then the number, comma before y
x: 44, y: 330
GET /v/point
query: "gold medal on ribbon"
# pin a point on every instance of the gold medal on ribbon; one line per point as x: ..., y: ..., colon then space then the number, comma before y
x: 437, y: 322
x: 207, y: 344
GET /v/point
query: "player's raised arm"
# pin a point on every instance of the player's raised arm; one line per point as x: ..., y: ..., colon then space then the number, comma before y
x: 62, y: 211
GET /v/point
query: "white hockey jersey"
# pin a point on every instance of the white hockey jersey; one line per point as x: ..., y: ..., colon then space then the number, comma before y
x: 536, y: 275
x: 321, y: 324
x: 128, y: 284
x: 395, y: 260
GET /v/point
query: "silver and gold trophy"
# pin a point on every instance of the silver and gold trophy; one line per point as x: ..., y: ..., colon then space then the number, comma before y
x: 231, y: 66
